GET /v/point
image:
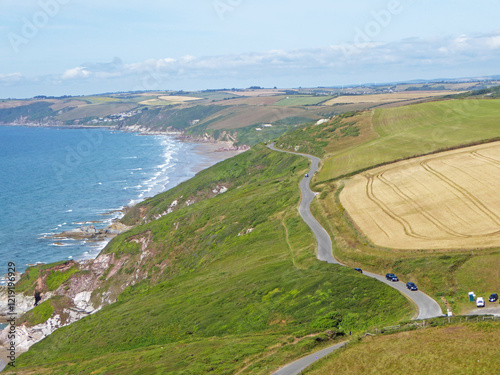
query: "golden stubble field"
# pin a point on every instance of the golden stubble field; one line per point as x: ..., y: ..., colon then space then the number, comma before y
x: 449, y: 200
x: 387, y: 98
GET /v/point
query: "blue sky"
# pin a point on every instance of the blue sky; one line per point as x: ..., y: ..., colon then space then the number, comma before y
x: 73, y: 47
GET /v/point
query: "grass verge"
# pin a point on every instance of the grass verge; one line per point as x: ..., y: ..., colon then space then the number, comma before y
x: 461, y: 349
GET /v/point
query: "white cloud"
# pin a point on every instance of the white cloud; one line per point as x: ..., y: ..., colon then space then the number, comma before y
x: 11, y: 78
x: 76, y: 73
x: 412, y: 52
x: 446, y: 56
x: 494, y: 42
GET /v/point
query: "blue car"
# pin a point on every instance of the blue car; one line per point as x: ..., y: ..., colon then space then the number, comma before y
x: 493, y: 297
x: 391, y: 277
x: 411, y: 286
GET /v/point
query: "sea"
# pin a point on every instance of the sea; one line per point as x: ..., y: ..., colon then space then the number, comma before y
x: 55, y: 179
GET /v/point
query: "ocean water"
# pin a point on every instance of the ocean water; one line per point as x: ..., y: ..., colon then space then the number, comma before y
x: 54, y: 180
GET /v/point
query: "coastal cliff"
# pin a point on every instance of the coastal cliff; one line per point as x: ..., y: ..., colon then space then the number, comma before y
x: 73, y: 290
x: 214, y: 272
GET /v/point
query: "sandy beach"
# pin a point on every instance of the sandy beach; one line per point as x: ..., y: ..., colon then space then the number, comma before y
x: 216, y: 152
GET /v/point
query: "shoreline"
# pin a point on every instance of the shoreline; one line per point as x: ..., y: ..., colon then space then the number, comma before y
x: 209, y: 152
x: 213, y: 152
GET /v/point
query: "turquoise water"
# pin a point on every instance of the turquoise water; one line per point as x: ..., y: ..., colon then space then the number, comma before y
x: 54, y: 180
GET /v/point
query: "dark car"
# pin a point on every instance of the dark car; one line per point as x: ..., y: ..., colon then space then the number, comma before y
x: 493, y: 297
x: 411, y: 286
x: 391, y: 277
x: 358, y: 269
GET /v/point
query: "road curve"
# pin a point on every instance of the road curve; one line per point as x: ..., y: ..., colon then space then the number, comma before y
x: 301, y: 364
x: 427, y: 307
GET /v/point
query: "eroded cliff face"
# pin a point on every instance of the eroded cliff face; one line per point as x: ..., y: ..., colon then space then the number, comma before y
x: 73, y: 290
x: 95, y: 284
x: 23, y: 304
x: 73, y: 300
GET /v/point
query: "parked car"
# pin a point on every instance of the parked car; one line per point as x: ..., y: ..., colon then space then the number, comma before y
x: 411, y: 286
x: 358, y: 269
x: 480, y: 302
x: 493, y: 297
x: 391, y: 277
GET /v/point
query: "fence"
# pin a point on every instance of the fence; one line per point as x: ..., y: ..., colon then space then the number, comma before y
x: 434, y: 322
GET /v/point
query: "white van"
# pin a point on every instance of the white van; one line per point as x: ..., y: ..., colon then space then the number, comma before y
x: 480, y: 302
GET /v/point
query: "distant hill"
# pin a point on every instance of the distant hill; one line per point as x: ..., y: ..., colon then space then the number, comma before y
x: 242, y: 116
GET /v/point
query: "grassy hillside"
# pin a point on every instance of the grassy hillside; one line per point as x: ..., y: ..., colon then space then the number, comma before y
x: 303, y: 100
x: 414, y: 130
x: 318, y: 140
x: 227, y: 283
x: 386, y: 135
x: 461, y: 349
x: 34, y: 112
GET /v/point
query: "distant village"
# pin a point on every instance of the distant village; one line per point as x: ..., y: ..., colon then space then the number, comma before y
x: 116, y: 117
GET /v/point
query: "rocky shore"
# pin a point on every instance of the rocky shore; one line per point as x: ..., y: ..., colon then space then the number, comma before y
x: 90, y: 232
x: 80, y: 296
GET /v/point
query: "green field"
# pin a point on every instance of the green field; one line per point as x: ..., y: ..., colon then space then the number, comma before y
x: 230, y: 282
x: 102, y: 99
x: 417, y: 129
x: 213, y: 96
x: 382, y: 136
x: 96, y: 110
x: 459, y: 349
x: 302, y: 100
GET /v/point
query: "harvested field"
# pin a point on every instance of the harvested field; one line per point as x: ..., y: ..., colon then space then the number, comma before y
x: 178, y: 99
x: 165, y: 100
x: 243, y: 116
x: 449, y: 200
x: 251, y: 100
x: 16, y: 103
x: 385, y: 98
x: 302, y: 100
x: 156, y: 102
x: 269, y: 92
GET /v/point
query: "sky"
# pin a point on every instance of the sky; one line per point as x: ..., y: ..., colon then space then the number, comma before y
x: 81, y: 47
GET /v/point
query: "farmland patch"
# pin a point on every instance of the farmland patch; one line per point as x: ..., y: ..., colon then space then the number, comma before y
x: 449, y: 200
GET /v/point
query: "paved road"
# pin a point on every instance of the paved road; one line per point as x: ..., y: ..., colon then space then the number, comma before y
x: 301, y: 364
x: 427, y: 307
x: 322, y: 237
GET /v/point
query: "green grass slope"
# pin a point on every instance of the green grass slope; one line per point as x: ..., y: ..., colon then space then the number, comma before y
x: 386, y: 135
x: 231, y: 284
x: 418, y: 129
x: 460, y: 349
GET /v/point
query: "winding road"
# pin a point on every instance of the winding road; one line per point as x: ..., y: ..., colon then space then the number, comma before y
x: 427, y: 307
